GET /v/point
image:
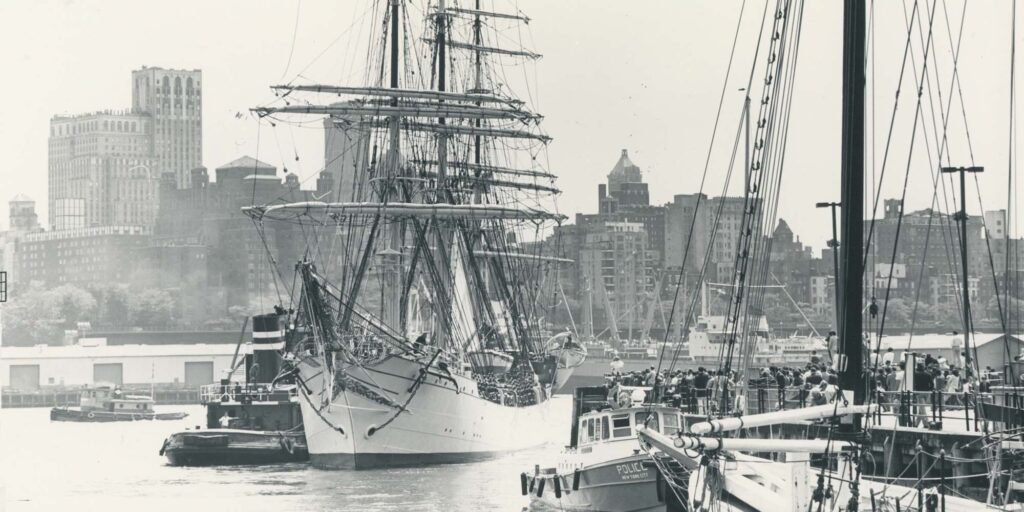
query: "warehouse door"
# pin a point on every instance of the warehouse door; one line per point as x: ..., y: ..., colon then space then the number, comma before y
x: 198, y: 374
x: 25, y: 377
x: 108, y: 373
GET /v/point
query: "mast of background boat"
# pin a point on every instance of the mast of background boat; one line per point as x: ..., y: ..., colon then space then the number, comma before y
x: 851, y: 359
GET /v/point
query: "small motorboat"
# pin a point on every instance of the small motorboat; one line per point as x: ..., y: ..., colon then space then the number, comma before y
x: 604, y: 468
x: 108, y: 403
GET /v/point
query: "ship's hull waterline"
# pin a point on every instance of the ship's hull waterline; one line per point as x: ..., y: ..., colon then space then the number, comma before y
x: 439, y: 425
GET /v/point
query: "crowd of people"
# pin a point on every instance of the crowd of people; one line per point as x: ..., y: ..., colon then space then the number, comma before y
x: 515, y: 387
x: 815, y: 383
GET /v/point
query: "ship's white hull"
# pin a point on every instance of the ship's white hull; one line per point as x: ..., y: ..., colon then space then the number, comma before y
x: 439, y: 425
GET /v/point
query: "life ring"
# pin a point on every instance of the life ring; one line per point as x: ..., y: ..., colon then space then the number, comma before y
x: 624, y: 399
x: 91, y: 415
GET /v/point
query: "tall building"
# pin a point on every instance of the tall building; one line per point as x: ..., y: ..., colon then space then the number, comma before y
x: 346, y: 159
x: 626, y: 198
x: 617, y: 267
x: 208, y: 252
x: 721, y: 233
x: 23, y: 221
x: 81, y: 256
x: 101, y: 170
x: 22, y: 214
x: 173, y: 98
x: 928, y: 246
x: 619, y: 251
x: 105, y: 167
x: 626, y: 186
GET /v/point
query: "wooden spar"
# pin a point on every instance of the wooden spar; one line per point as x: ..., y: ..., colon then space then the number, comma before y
x: 491, y: 49
x: 483, y: 168
x: 404, y: 210
x: 454, y: 129
x: 777, y: 417
x: 495, y: 183
x: 401, y: 93
x: 418, y: 109
x: 519, y: 255
x: 489, y: 14
x: 677, y: 445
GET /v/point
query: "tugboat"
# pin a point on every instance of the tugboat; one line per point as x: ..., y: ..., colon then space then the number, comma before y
x: 254, y: 423
x: 603, y: 468
x: 108, y: 403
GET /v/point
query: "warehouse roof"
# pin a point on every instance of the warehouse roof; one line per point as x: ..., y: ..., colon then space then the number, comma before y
x: 114, y: 351
x: 938, y: 341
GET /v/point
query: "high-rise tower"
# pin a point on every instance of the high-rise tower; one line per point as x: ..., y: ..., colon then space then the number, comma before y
x: 174, y: 100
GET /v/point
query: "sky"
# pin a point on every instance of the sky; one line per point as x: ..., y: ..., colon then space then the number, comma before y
x: 643, y: 76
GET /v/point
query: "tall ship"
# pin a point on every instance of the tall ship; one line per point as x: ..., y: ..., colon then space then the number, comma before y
x: 418, y: 320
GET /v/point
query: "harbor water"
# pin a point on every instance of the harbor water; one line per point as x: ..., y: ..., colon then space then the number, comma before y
x: 46, y: 466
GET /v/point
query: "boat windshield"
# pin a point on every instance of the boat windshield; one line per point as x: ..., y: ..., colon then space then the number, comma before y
x: 651, y: 420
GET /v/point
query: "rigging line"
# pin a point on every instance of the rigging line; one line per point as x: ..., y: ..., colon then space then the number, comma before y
x: 956, y: 81
x: 752, y: 202
x: 874, y: 148
x: 906, y: 179
x: 888, y: 139
x: 709, y: 250
x: 945, y: 224
x: 273, y: 263
x: 295, y: 33
x: 776, y: 166
x: 1010, y: 168
x: 951, y: 255
x: 356, y: 22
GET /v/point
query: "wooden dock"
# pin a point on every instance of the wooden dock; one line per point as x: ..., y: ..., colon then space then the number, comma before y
x: 70, y: 397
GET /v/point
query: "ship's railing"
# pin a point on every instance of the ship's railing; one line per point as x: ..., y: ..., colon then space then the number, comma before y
x: 244, y: 393
x: 905, y: 408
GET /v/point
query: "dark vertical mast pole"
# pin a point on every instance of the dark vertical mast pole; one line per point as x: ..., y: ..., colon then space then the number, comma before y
x: 442, y: 58
x: 394, y: 47
x: 961, y: 216
x: 851, y: 362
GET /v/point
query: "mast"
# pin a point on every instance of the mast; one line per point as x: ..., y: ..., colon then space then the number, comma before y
x: 442, y: 138
x: 477, y: 85
x: 391, y: 256
x: 851, y: 361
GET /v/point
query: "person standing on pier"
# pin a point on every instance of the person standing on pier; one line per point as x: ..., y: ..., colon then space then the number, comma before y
x: 887, y: 359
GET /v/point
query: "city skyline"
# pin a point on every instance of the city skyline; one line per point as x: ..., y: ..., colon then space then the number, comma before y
x: 659, y: 104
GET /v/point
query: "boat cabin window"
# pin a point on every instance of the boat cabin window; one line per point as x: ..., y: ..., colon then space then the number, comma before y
x: 671, y: 424
x: 620, y: 426
x: 604, y: 427
x: 641, y: 418
x: 590, y: 429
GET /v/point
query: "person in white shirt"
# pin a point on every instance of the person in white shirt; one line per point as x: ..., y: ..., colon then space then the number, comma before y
x: 617, y: 365
x: 829, y: 391
x: 225, y: 421
x: 888, y: 357
x: 952, y: 388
